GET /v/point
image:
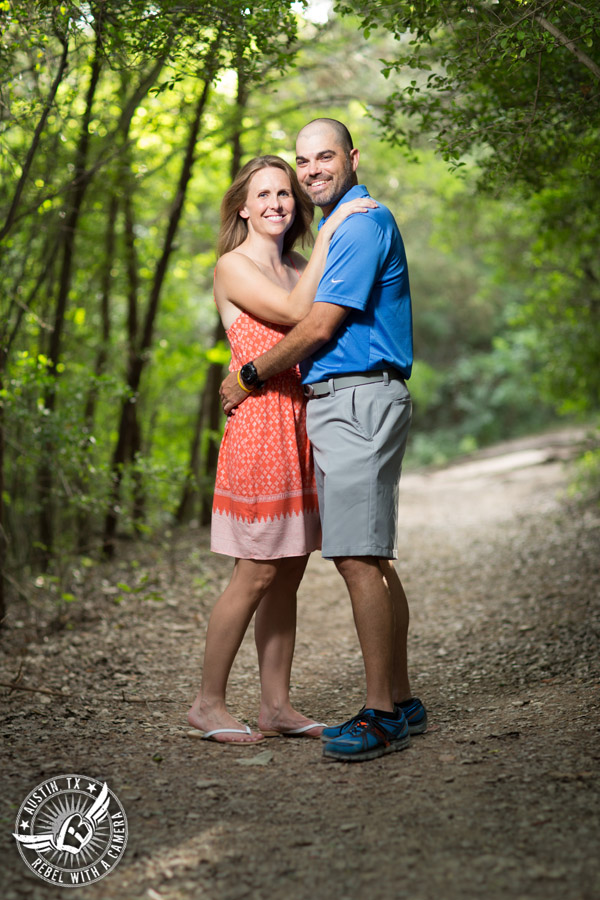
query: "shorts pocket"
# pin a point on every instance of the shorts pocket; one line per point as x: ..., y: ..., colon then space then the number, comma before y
x: 364, y: 411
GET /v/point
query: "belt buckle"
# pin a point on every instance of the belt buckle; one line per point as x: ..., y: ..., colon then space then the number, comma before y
x: 308, y: 390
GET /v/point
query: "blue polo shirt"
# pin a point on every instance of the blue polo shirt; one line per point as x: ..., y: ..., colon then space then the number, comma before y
x: 366, y: 271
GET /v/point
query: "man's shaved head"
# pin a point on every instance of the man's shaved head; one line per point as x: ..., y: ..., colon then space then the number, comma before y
x: 326, y: 162
x: 343, y: 136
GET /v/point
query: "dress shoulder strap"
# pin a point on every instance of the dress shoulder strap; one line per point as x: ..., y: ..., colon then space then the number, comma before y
x: 293, y: 263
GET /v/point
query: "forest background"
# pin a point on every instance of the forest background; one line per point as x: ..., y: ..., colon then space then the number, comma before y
x: 121, y: 126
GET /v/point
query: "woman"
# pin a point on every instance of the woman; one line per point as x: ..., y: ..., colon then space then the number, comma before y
x: 265, y: 511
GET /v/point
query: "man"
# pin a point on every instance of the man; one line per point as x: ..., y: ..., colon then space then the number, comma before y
x: 355, y: 352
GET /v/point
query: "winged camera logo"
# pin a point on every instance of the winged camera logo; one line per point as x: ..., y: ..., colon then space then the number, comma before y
x: 71, y: 830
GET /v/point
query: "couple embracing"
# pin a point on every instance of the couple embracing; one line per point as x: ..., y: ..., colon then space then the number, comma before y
x: 345, y: 318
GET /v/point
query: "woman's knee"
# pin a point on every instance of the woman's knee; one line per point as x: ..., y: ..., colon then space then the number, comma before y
x: 254, y: 576
x: 293, y: 568
x: 289, y: 575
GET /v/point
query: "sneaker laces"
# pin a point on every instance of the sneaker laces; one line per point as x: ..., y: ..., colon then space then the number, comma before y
x: 370, y: 723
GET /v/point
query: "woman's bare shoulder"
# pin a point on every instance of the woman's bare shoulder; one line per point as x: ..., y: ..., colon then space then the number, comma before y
x: 233, y: 261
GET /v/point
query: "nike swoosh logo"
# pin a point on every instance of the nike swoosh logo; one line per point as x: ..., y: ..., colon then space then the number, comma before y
x: 336, y: 280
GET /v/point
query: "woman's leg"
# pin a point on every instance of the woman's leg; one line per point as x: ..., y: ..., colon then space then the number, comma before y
x: 275, y: 635
x: 227, y: 626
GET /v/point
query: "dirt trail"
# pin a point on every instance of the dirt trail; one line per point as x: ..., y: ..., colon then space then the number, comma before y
x: 500, y: 799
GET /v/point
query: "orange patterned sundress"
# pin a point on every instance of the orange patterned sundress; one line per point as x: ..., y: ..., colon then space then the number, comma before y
x: 265, y: 501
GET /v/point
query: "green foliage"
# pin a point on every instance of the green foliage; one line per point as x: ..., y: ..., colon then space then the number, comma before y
x: 515, y: 86
x: 479, y: 312
x: 483, y: 398
x: 98, y: 101
x: 519, y: 78
x: 586, y: 485
x: 462, y: 249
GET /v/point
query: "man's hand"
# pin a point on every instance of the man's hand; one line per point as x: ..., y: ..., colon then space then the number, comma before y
x: 231, y: 393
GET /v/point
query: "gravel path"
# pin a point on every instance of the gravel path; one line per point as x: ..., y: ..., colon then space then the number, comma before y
x: 500, y: 799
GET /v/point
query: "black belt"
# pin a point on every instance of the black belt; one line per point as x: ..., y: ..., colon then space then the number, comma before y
x: 329, y: 387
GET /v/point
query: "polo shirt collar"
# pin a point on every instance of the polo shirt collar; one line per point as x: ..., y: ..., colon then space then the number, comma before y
x: 357, y: 190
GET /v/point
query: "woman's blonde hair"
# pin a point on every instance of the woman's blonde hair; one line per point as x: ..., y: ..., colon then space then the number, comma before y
x: 234, y: 229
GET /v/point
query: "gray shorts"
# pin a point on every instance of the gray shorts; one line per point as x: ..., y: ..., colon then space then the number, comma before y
x: 358, y: 437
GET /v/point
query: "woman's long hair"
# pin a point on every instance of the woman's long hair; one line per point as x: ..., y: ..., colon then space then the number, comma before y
x: 234, y: 229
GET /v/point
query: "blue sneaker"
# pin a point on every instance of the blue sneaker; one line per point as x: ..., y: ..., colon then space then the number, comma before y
x: 372, y: 735
x: 413, y: 709
x: 416, y: 714
x: 335, y: 731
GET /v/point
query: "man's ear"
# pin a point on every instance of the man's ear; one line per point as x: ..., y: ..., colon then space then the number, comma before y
x: 354, y: 158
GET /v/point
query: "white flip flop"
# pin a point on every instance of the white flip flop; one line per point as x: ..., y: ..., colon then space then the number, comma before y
x: 209, y: 736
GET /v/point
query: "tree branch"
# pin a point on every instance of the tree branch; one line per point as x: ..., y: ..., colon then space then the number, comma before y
x: 34, y: 143
x: 570, y: 45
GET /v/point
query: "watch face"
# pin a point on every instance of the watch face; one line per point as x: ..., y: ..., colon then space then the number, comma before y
x: 249, y: 373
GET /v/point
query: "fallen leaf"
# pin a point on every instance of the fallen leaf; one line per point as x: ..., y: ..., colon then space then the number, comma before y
x: 261, y: 759
x: 207, y: 782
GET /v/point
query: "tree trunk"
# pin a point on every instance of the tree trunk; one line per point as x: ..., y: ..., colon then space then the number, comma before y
x: 105, y: 289
x: 191, y: 487
x: 203, y: 467
x: 215, y: 419
x: 83, y: 519
x: 138, y: 512
x: 135, y: 445
x: 195, y: 487
x: 3, y: 537
x: 127, y: 426
x: 80, y: 183
x: 122, y: 137
x: 241, y: 102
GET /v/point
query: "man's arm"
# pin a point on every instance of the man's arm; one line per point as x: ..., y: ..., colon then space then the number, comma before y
x: 305, y: 338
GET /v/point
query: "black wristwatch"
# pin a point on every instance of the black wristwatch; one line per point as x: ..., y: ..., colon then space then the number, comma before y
x: 249, y: 376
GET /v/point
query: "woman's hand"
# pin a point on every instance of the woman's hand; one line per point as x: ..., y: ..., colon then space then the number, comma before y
x: 359, y: 205
x: 231, y: 393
